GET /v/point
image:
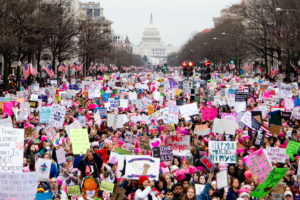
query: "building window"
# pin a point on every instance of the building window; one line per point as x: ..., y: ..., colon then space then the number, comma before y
x: 87, y: 6
x: 96, y: 13
x: 69, y: 8
x: 96, y: 6
x: 89, y: 12
x: 82, y: 6
x: 46, y: 57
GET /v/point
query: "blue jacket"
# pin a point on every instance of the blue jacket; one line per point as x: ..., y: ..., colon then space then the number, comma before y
x: 204, y: 194
x: 232, y: 195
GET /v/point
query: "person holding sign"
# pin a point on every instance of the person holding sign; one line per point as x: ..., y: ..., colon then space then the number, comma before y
x: 204, y: 194
x: 144, y: 192
x: 91, y: 164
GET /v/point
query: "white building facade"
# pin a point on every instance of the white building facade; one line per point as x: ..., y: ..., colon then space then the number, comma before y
x: 151, y: 45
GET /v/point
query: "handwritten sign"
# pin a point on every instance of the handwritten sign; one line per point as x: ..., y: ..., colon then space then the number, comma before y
x: 81, y: 119
x: 61, y: 157
x: 229, y: 116
x: 11, y: 148
x: 150, y: 109
x: 80, y: 140
x: 180, y: 144
x: 209, y: 113
x: 107, y: 186
x: 130, y: 141
x: 222, y: 152
x: 189, y: 110
x: 276, y: 154
x: 202, y: 130
x: 18, y: 185
x: 144, y: 143
x: 50, y: 131
x: 165, y: 153
x: 274, y: 129
x: 45, y: 114
x: 57, y: 116
x: 296, y: 113
x: 259, y: 164
x: 292, y: 148
x: 6, y: 122
x: 169, y: 127
x: 74, y: 189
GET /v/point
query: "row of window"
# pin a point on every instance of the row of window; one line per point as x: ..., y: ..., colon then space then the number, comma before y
x: 90, y: 6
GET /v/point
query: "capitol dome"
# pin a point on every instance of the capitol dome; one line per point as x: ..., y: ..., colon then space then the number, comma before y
x: 151, y: 34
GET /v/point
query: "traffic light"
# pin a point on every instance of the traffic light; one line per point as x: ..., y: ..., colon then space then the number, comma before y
x: 185, y: 68
x: 231, y: 61
x: 205, y: 71
x: 165, y: 65
x: 191, y: 68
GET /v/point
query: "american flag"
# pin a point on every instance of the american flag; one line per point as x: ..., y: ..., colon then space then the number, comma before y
x: 75, y: 66
x: 26, y: 70
x: 49, y: 70
x: 64, y: 68
x: 274, y: 72
x: 268, y: 134
x: 94, y: 67
x: 248, y: 66
x: 231, y: 67
x: 261, y: 69
x: 295, y: 67
x: 90, y: 68
x: 80, y: 66
x: 224, y: 68
x: 34, y: 71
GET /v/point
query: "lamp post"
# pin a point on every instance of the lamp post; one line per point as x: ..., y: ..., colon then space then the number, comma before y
x: 69, y: 72
x: 91, y: 68
x: 18, y: 74
x: 41, y: 67
x: 57, y: 63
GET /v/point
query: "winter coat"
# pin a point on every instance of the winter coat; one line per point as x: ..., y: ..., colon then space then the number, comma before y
x: 143, y: 195
x: 204, y: 194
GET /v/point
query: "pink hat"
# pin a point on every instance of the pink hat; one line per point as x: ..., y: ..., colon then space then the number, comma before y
x: 119, y: 133
x: 212, y: 133
x: 248, y: 174
x: 240, y: 151
x: 43, y: 138
x: 240, y: 140
x: 242, y: 190
x: 246, y: 137
x: 95, y: 144
x: 180, y: 176
x: 223, y: 166
x: 297, y: 157
x: 281, y: 134
x: 165, y: 170
x: 192, y: 169
x: 65, y: 124
x: 201, y: 168
x: 137, y: 150
x: 114, y: 138
x: 121, y: 142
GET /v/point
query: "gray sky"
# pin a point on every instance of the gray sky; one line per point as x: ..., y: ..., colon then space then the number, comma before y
x: 176, y: 20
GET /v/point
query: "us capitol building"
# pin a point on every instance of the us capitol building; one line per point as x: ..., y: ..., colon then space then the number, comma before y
x: 151, y: 45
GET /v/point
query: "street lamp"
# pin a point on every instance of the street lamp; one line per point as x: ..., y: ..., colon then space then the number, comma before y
x: 278, y: 9
x: 215, y: 38
x: 69, y: 72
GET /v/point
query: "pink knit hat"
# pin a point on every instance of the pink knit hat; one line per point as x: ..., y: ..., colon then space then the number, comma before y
x: 137, y: 150
x: 180, y: 176
x: 240, y: 151
x: 248, y: 174
x: 201, y: 168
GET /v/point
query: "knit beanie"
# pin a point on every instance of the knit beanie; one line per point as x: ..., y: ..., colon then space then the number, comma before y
x: 142, y: 179
x: 248, y: 174
x: 174, y: 167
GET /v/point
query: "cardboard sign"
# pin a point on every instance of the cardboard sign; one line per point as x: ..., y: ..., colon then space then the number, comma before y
x: 144, y: 143
x: 120, y: 151
x: 169, y: 127
x: 222, y: 179
x: 27, y: 132
x: 74, y: 189
x: 18, y: 185
x: 107, y: 186
x: 118, y: 194
x: 278, y: 191
x: 276, y: 154
x: 274, y: 129
x: 61, y: 157
x: 241, y: 96
x: 57, y: 116
x: 150, y: 109
x: 222, y: 152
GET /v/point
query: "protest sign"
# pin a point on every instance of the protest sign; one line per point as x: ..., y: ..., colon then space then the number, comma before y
x: 81, y: 119
x: 117, y: 195
x: 74, y: 125
x: 169, y: 127
x: 296, y: 113
x: 273, y: 178
x: 180, y: 144
x: 120, y: 151
x: 8, y: 108
x: 278, y: 191
x: 102, y: 111
x: 224, y: 126
x: 188, y: 110
x: 27, y: 132
x: 80, y: 140
x: 201, y: 130
x: 274, y: 129
x: 292, y: 148
x: 173, y: 113
x: 150, y: 109
x: 18, y: 185
x: 259, y: 164
x: 130, y: 141
x: 50, y: 131
x: 275, y: 153
x: 60, y: 155
x: 209, y: 113
x: 270, y: 102
x: 6, y: 122
x: 228, y: 116
x: 57, y: 116
x: 74, y: 189
x: 241, y: 96
x: 144, y: 143
x: 247, y: 119
x: 255, y: 124
x: 114, y: 104
x: 11, y: 148
x: 43, y: 168
x: 222, y: 179
x: 44, y: 196
x: 199, y: 188
x: 137, y: 166
x: 207, y: 163
x: 222, y: 152
x: 166, y: 153
x: 107, y: 186
x: 56, y: 140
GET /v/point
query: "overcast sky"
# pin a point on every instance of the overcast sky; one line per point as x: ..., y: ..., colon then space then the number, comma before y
x: 176, y: 19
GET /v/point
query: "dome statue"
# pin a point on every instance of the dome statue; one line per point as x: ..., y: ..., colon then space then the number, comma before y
x: 151, y: 34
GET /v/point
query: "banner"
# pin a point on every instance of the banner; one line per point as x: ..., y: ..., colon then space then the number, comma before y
x: 120, y: 151
x: 169, y: 127
x: 269, y: 183
x: 11, y: 148
x: 229, y: 116
x: 57, y: 116
x: 222, y: 152
x: 275, y: 153
x: 18, y: 185
x: 259, y: 164
x: 137, y: 166
x: 43, y: 168
x: 209, y: 113
x: 80, y: 140
x: 180, y: 144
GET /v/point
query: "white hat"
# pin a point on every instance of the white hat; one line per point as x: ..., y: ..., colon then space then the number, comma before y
x: 213, y: 182
x: 243, y: 194
x: 288, y: 193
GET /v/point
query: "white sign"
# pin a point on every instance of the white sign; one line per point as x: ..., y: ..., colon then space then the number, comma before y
x: 61, y: 157
x: 74, y: 125
x: 6, y: 122
x: 81, y: 119
x: 222, y: 152
x: 43, y: 168
x: 11, y: 149
x: 276, y: 154
x: 247, y: 119
x: 221, y: 126
x: 199, y: 188
x: 57, y: 116
x: 21, y: 186
x: 189, y: 110
x: 115, y: 120
x: 222, y: 179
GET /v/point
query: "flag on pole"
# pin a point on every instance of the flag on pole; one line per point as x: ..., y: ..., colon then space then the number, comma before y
x: 261, y: 69
x: 33, y: 70
x: 49, y: 70
x: 248, y: 66
x: 26, y: 70
x: 231, y: 66
x: 80, y: 66
x: 74, y: 65
x: 274, y: 72
x: 295, y: 67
